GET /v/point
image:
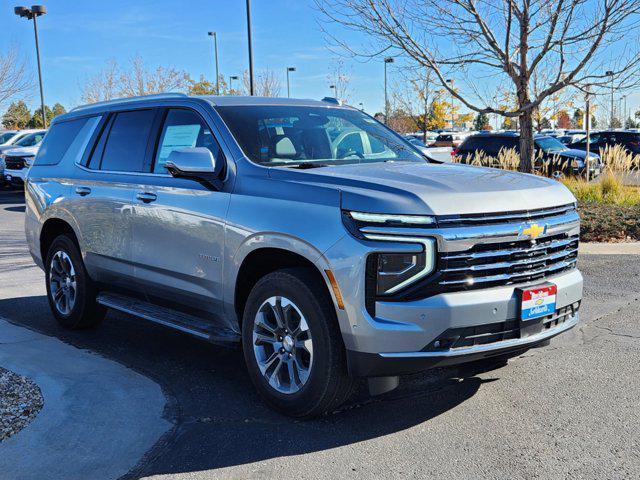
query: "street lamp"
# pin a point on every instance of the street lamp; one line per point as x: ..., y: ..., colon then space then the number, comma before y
x: 624, y: 122
x: 231, y: 79
x: 386, y: 100
x: 334, y: 90
x: 610, y: 74
x: 450, y: 81
x: 215, y: 50
x: 289, y: 69
x: 250, y: 49
x: 31, y: 14
x: 361, y: 105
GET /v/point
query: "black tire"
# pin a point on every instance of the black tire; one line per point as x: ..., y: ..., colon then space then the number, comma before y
x: 85, y: 312
x: 328, y: 384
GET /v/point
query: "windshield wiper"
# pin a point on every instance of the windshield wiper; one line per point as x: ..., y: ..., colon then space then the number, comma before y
x: 306, y: 165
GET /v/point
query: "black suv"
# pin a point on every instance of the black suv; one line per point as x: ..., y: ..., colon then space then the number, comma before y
x: 552, y: 157
x: 597, y: 140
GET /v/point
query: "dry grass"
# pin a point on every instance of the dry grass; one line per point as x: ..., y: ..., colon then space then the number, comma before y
x: 608, y: 190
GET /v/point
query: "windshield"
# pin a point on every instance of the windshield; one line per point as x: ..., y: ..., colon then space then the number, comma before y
x: 295, y: 136
x: 416, y: 142
x: 30, y: 140
x: 5, y: 137
x: 550, y: 144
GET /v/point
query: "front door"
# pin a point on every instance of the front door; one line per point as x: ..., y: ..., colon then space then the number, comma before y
x: 179, y: 224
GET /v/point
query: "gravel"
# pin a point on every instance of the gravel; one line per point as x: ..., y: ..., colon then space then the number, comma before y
x: 20, y: 402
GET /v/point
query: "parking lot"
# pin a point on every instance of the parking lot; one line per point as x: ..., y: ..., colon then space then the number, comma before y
x: 569, y: 410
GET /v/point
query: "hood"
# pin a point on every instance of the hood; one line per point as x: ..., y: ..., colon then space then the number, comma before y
x: 573, y: 153
x: 425, y: 188
x: 22, y: 151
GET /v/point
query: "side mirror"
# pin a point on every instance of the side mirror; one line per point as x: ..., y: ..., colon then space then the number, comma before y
x: 196, y: 163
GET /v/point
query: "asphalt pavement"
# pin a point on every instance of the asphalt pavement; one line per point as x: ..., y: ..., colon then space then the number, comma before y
x: 570, y: 410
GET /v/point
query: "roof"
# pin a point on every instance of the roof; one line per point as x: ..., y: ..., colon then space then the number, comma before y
x: 232, y: 100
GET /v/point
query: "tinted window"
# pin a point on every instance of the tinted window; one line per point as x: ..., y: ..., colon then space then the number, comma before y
x: 127, y: 141
x: 182, y: 129
x: 58, y: 140
x: 350, y: 144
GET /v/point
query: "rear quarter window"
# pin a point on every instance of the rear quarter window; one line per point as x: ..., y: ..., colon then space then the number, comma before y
x: 66, y: 139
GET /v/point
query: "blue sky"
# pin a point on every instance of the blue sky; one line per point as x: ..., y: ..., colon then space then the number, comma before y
x: 78, y: 38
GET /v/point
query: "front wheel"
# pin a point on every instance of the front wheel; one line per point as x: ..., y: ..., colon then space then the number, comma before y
x: 70, y: 290
x: 292, y: 344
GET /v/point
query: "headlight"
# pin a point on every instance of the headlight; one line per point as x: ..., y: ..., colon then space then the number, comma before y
x: 395, y: 271
x: 28, y: 161
x: 576, y: 163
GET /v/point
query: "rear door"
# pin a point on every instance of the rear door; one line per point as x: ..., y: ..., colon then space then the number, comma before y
x: 103, y: 194
x: 179, y: 224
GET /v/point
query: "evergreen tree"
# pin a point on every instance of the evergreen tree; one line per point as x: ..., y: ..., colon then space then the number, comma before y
x: 17, y: 116
x: 58, y: 109
x: 481, y: 122
x: 36, y: 118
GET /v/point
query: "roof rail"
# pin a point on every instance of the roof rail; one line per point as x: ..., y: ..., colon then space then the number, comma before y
x: 131, y: 99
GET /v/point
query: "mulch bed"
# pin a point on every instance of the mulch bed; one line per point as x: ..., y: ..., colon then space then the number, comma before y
x: 20, y: 402
x: 603, y: 222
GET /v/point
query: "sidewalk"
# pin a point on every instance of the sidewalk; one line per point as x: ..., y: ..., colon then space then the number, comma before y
x: 98, y: 420
x: 628, y: 248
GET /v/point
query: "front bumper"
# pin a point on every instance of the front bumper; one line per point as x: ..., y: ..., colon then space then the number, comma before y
x: 15, y: 177
x: 363, y: 364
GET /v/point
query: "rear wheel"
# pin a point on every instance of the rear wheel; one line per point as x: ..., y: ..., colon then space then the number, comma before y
x: 70, y: 291
x: 292, y: 344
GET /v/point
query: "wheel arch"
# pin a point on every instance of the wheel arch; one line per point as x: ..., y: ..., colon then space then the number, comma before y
x: 254, y: 264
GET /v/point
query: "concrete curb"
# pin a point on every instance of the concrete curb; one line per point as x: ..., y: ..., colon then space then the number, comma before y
x: 628, y: 248
x: 98, y: 420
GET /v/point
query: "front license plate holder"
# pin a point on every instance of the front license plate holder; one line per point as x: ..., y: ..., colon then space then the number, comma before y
x: 534, y: 305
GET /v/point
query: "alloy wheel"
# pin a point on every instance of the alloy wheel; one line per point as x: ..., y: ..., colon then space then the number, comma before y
x: 62, y: 282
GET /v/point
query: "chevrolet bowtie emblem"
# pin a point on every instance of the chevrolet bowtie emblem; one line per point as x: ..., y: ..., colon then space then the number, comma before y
x: 532, y: 231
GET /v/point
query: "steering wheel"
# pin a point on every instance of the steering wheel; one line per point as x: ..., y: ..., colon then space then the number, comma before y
x: 351, y: 153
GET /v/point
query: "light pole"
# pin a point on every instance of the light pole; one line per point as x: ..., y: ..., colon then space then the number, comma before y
x: 361, y: 105
x: 624, y: 123
x: 386, y: 99
x: 610, y: 74
x: 334, y: 90
x: 215, y: 50
x: 231, y: 79
x: 31, y: 14
x: 289, y: 69
x: 450, y: 81
x: 587, y: 109
x: 250, y: 48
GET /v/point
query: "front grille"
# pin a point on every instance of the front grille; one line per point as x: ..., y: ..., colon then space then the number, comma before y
x: 14, y: 163
x: 507, y: 263
x: 465, y: 337
x: 521, y: 216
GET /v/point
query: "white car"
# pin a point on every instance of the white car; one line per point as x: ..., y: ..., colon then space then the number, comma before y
x: 17, y: 163
x: 27, y: 138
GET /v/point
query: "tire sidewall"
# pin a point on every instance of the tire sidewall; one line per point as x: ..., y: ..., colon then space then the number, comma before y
x: 65, y: 244
x: 291, y: 287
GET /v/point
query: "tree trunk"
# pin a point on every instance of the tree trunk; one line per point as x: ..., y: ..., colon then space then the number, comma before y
x: 526, y: 142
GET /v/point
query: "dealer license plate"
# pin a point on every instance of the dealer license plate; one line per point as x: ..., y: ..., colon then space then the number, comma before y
x: 538, y: 301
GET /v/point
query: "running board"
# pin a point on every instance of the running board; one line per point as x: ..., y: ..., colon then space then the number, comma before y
x: 168, y: 317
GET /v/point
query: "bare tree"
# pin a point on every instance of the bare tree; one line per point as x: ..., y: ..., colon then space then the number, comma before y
x: 14, y: 79
x: 339, y: 78
x: 500, y: 41
x: 116, y: 82
x: 266, y: 83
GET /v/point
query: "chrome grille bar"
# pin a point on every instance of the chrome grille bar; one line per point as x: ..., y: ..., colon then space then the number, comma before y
x: 507, y: 264
x: 523, y: 216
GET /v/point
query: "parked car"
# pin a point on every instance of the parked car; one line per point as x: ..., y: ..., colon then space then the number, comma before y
x: 304, y: 231
x: 28, y: 139
x: 418, y: 144
x: 552, y: 157
x: 570, y: 138
x: 600, y: 140
x: 17, y: 162
x: 12, y: 137
x: 452, y: 140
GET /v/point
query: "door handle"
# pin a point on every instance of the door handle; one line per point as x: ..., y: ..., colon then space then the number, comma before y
x: 146, y: 197
x: 82, y: 191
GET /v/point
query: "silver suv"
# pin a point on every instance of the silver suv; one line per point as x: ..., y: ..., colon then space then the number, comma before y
x: 319, y: 240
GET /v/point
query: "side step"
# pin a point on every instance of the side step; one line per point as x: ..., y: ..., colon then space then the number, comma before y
x: 193, y: 325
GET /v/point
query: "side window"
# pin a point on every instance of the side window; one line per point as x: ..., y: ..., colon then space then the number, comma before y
x: 183, y: 128
x: 126, y: 141
x: 376, y: 145
x: 60, y: 138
